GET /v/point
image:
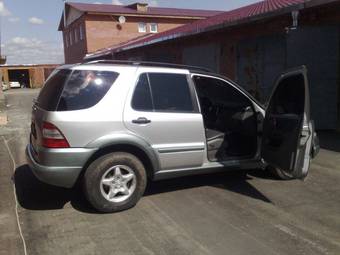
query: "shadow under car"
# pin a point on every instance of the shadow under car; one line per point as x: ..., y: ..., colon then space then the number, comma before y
x: 33, y: 194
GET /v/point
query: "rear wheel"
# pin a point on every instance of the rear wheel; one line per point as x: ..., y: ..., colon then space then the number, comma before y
x: 115, y: 182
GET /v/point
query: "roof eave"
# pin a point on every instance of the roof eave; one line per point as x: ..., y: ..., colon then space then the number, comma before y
x: 147, y: 15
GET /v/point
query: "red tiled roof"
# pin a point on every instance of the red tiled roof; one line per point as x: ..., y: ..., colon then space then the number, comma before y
x: 229, y: 17
x: 225, y: 18
x: 154, y: 11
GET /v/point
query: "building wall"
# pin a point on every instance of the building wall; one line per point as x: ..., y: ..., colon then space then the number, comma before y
x: 104, y: 31
x: 209, y: 56
x: 37, y: 77
x: 170, y: 52
x: 322, y: 67
x: 259, y: 62
x: 226, y: 40
x: 48, y: 72
x: 5, y: 76
x: 75, y: 52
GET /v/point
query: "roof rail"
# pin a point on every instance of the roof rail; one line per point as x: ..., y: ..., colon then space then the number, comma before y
x: 148, y: 63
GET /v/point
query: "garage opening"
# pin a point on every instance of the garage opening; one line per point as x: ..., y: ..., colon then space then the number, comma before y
x: 21, y: 76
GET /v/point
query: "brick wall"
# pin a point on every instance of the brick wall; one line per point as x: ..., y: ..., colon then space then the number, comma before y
x: 37, y: 77
x: 76, y: 51
x: 102, y: 31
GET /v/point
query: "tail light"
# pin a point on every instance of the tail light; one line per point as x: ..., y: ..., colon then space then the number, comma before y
x: 52, y: 137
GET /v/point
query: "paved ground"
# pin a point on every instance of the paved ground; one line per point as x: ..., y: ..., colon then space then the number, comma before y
x: 231, y: 213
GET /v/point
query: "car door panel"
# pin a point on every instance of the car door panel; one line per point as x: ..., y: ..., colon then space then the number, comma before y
x: 287, y: 129
x: 176, y: 137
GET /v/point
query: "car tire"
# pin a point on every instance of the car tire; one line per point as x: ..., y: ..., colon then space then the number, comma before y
x: 109, y: 197
x: 279, y: 174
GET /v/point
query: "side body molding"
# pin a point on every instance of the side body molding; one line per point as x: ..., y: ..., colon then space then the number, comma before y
x: 127, y: 139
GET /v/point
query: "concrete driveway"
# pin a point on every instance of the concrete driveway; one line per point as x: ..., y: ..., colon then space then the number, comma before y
x: 230, y: 213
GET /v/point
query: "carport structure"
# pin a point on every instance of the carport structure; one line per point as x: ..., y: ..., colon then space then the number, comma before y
x: 30, y: 76
x: 254, y: 44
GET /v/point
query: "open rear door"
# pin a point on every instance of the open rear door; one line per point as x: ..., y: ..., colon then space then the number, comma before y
x: 287, y: 128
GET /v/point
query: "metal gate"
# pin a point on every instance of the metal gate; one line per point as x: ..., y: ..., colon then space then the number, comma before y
x: 318, y: 49
x: 261, y: 60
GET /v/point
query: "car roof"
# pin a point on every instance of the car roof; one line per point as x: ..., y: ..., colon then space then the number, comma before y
x: 147, y: 64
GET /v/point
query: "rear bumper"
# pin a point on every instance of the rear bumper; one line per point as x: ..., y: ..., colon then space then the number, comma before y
x: 59, y: 174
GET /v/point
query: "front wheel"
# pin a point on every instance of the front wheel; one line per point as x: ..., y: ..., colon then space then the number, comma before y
x: 115, y: 182
x: 279, y: 174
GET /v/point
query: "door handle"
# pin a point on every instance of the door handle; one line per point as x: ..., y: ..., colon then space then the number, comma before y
x: 141, y: 120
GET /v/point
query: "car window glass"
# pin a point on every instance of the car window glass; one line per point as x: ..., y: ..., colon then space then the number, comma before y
x: 141, y: 100
x: 221, y: 91
x: 170, y: 92
x: 49, y: 95
x: 85, y: 88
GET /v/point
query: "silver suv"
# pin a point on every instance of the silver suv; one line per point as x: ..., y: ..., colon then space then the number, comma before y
x: 114, y: 125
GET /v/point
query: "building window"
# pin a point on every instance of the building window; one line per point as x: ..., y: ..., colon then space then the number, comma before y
x: 141, y: 27
x: 153, y: 28
x: 81, y: 32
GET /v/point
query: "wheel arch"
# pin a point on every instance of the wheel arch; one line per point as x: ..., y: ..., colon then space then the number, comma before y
x: 130, y: 144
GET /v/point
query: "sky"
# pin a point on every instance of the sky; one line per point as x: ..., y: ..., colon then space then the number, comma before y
x: 29, y: 28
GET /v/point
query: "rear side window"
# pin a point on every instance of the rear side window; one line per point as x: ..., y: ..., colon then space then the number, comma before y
x: 68, y: 90
x: 142, y: 100
x: 85, y: 89
x: 162, y: 92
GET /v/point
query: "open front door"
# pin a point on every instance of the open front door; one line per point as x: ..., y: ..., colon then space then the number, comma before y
x: 287, y: 128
